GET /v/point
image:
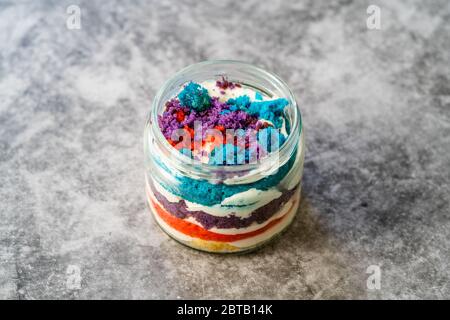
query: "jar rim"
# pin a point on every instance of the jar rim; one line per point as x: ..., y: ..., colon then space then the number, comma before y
x: 204, y: 170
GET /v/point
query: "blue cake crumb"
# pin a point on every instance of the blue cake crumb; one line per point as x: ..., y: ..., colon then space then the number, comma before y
x: 195, y: 97
x: 258, y: 96
x: 271, y: 110
x: 239, y: 103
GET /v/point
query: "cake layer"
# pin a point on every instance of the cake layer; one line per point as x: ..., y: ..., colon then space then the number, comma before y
x: 254, y: 226
x: 196, y: 231
x: 206, y: 240
x: 228, y: 220
x: 241, y: 205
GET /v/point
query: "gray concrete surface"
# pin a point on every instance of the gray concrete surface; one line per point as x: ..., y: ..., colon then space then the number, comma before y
x: 376, y: 107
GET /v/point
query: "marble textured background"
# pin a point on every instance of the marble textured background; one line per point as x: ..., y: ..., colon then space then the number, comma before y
x: 376, y: 107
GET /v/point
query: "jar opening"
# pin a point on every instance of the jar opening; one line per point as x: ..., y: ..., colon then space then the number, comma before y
x: 246, y: 75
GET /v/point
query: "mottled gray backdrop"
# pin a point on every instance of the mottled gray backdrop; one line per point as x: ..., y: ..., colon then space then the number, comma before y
x: 376, y: 107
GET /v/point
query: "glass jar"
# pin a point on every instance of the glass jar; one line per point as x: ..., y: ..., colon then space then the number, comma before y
x: 223, y: 208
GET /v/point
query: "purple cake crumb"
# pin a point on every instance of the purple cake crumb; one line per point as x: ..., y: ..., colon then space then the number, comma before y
x: 225, y: 84
x: 217, y: 115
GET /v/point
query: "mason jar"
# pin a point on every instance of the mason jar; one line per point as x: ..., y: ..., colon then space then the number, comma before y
x: 224, y: 208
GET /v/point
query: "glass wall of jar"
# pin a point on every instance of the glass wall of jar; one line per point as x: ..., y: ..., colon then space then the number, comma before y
x: 224, y: 208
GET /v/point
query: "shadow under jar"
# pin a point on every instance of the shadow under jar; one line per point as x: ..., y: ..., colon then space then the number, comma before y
x: 224, y: 208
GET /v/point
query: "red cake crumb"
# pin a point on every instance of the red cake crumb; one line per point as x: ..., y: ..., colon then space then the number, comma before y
x: 225, y: 84
x: 220, y: 128
x: 180, y: 116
